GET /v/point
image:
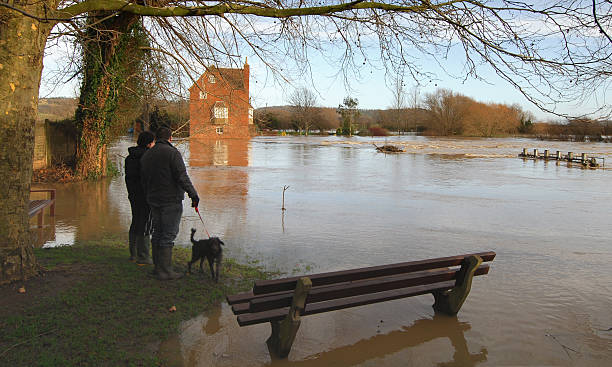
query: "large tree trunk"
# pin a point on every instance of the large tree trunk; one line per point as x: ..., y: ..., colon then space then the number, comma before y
x: 22, y: 43
x: 105, y: 55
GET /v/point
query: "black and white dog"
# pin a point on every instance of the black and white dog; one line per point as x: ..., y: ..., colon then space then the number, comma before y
x: 211, y: 250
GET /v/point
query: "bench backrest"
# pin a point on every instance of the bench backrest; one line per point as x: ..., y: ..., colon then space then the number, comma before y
x: 288, y: 284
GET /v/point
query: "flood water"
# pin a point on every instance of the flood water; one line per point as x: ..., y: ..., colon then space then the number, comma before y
x: 545, y: 302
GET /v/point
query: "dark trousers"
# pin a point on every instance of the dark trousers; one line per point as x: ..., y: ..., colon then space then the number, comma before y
x: 141, y: 219
x: 166, y: 220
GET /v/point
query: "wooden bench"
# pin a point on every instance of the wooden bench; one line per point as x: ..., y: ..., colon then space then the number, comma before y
x: 38, y: 206
x: 283, y: 301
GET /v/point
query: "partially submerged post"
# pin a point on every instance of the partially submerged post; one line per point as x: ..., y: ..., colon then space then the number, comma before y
x: 284, y: 189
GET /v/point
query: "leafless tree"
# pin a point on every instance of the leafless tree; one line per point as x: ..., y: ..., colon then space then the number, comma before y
x: 398, y: 102
x: 446, y: 111
x: 303, y: 102
x: 414, y: 103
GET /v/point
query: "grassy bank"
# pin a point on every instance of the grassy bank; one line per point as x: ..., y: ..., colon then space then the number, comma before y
x: 92, y: 307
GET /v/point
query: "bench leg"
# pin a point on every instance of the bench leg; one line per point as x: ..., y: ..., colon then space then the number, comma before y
x: 449, y: 302
x: 284, y: 332
x: 40, y: 218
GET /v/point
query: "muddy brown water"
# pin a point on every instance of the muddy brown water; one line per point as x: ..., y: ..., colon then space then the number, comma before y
x: 546, y: 301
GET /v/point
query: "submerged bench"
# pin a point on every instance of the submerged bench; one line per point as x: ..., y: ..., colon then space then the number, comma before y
x: 283, y: 301
x: 38, y: 206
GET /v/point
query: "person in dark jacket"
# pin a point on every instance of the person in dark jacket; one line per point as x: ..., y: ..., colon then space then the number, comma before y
x: 141, y: 219
x: 165, y: 181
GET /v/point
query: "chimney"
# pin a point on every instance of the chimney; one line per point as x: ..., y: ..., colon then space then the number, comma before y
x: 246, y: 74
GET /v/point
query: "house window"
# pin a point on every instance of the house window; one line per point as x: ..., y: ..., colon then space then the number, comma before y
x: 202, y: 95
x: 219, y: 130
x: 211, y: 79
x: 220, y: 112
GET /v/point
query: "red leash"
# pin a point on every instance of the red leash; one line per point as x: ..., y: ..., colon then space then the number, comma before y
x: 197, y: 211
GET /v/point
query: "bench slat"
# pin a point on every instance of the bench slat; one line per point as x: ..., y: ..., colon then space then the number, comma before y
x: 240, y: 308
x: 287, y: 284
x: 238, y: 298
x: 356, y: 288
x: 36, y: 205
x: 247, y: 296
x: 319, y: 307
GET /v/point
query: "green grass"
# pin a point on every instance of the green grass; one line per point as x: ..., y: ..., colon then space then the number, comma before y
x: 113, y: 311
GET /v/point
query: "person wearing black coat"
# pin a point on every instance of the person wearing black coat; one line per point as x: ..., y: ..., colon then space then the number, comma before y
x: 165, y: 181
x: 140, y: 228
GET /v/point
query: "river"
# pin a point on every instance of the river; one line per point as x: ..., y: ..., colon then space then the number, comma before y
x: 545, y: 302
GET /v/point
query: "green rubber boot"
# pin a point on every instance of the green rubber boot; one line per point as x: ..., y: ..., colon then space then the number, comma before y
x: 142, y: 246
x: 155, y: 253
x: 164, y: 269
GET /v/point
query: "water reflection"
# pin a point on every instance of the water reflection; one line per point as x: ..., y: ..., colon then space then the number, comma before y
x: 43, y: 234
x: 218, y: 172
x: 84, y: 211
x: 197, y: 345
x: 382, y: 345
x: 228, y: 152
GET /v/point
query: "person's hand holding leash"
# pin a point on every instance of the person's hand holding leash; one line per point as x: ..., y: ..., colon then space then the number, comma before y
x: 194, y: 202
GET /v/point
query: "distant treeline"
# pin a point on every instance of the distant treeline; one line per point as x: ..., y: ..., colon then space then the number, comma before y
x: 443, y: 113
x: 153, y: 114
x: 575, y: 130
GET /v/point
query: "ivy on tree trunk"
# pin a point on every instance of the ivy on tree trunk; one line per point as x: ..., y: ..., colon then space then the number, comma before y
x: 106, y: 54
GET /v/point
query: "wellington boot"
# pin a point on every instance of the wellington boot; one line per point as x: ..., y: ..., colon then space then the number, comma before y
x: 155, y: 253
x: 164, y: 269
x: 142, y: 246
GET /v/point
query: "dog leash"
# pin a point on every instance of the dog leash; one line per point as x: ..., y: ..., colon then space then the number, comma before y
x: 202, y: 220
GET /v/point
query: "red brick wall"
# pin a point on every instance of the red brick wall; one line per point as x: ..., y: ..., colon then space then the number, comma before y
x: 236, y: 98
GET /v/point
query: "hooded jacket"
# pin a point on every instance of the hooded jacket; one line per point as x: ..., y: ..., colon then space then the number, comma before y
x: 132, y: 174
x: 164, y: 176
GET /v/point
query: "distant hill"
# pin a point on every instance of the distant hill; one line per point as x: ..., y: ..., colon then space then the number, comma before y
x: 56, y: 108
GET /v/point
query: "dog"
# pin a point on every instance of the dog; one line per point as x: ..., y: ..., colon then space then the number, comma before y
x: 211, y: 250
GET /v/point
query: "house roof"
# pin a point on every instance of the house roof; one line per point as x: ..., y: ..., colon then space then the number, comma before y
x: 233, y: 77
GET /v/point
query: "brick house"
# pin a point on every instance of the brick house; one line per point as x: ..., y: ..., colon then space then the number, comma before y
x: 219, y: 104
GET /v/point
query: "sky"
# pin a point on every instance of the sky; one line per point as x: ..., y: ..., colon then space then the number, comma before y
x: 370, y: 88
